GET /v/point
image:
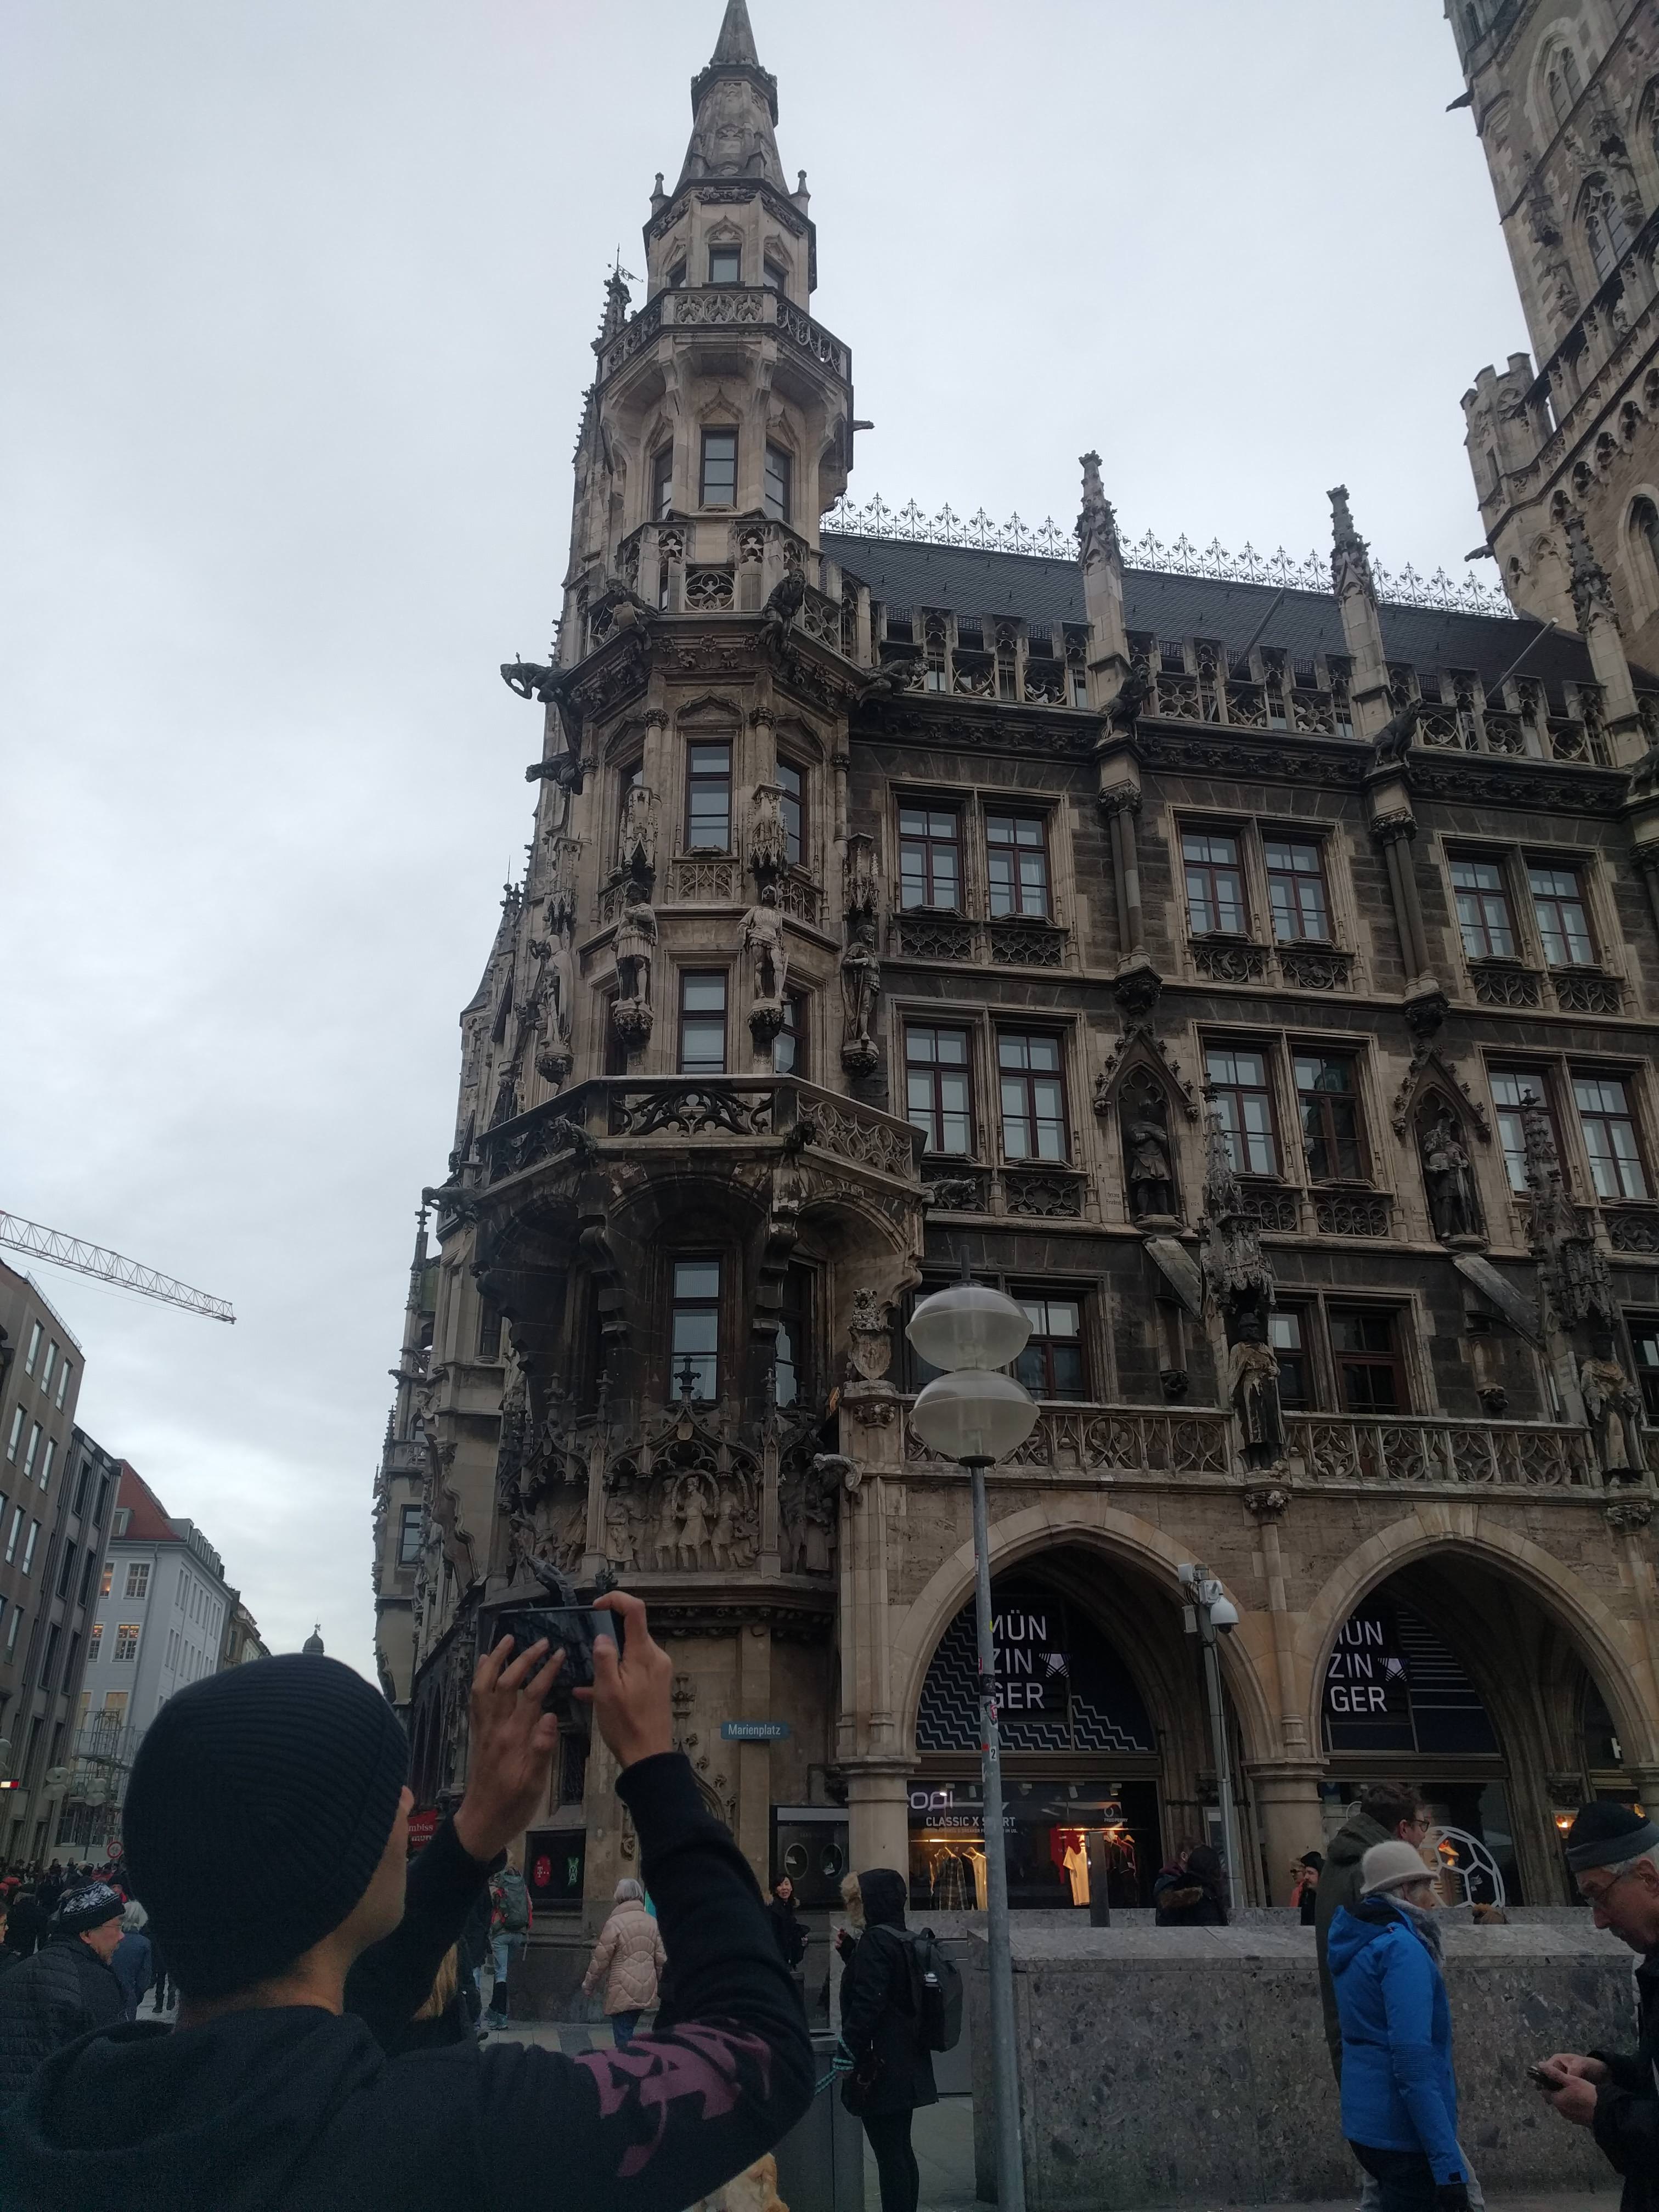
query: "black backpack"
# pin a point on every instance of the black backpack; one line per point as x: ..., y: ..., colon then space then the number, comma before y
x: 936, y: 1991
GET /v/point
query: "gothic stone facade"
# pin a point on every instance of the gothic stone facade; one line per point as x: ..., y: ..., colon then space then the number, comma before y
x: 1258, y: 985
x: 1566, y: 101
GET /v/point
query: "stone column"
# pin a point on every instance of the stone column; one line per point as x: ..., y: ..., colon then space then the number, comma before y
x: 1628, y: 1519
x: 754, y: 1761
x: 1285, y: 1790
x: 1393, y: 831
x: 1286, y: 1795
x: 1598, y: 625
x: 878, y: 1815
x: 1361, y: 626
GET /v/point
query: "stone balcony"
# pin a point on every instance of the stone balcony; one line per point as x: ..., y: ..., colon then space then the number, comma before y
x: 1325, y: 1451
x: 644, y: 1112
x: 726, y: 308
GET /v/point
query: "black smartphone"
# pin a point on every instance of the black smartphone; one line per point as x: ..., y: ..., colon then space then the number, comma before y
x: 576, y: 1628
x: 1548, y: 2080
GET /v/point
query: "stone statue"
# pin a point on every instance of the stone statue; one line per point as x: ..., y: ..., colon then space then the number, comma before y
x: 1253, y: 1385
x: 1613, y: 1408
x: 764, y: 941
x: 530, y: 680
x: 860, y: 987
x: 1449, y: 1179
x: 1146, y: 1165
x: 555, y: 1062
x: 783, y: 603
x: 689, y: 1511
x: 768, y: 839
x: 636, y: 946
x: 860, y: 878
x: 619, y: 1532
x: 820, y: 1527
x: 636, y: 842
x: 723, y: 1539
x: 1394, y: 738
x: 870, y: 1336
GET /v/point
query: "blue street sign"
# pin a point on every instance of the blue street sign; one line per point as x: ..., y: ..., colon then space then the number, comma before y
x: 754, y: 1731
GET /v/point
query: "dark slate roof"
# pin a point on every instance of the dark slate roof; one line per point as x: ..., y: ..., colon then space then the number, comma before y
x: 903, y: 573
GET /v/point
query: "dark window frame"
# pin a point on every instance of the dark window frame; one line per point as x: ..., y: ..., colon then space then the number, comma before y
x: 1026, y: 1079
x: 409, y: 1520
x: 692, y: 1303
x: 1038, y: 1367
x: 662, y: 482
x: 1302, y: 1355
x: 1390, y: 1361
x: 794, y: 1030
x: 796, y: 1310
x: 931, y: 842
x: 775, y: 275
x: 1478, y: 920
x: 1327, y: 1135
x: 1537, y: 1079
x: 1237, y: 1131
x: 1318, y: 876
x: 1552, y: 902
x: 1642, y: 1328
x: 713, y: 431
x: 1019, y: 905
x: 777, y: 470
x: 793, y: 809
x: 934, y: 1073
x: 701, y: 780
x: 725, y: 249
x: 1210, y: 873
x: 703, y: 1017
x: 1621, y: 1163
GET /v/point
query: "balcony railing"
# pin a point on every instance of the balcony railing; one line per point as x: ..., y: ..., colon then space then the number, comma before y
x: 1322, y: 1449
x: 725, y: 306
x: 680, y: 1108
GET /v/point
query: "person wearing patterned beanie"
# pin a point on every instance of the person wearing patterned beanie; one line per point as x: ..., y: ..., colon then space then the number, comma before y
x: 1613, y: 1854
x: 65, y: 1990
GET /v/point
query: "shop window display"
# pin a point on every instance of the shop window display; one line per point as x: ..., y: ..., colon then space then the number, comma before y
x: 1079, y: 1760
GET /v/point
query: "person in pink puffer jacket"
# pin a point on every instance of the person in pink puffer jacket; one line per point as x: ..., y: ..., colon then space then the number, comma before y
x: 630, y: 1958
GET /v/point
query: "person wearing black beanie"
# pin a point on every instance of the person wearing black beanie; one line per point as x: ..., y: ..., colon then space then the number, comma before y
x: 266, y: 1828
x: 1613, y: 1853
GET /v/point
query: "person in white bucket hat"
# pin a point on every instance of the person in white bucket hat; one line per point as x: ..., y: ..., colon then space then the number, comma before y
x: 1399, y: 2092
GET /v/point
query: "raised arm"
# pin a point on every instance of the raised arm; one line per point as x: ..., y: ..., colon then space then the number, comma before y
x: 512, y: 1744
x: 655, y: 2127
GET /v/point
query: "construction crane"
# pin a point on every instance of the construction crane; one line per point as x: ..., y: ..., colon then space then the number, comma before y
x: 64, y: 1251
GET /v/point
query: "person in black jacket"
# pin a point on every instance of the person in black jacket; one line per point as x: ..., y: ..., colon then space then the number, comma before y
x: 64, y: 1990
x: 291, y: 1957
x: 787, y: 1923
x: 26, y: 1927
x: 891, y: 2070
x: 1194, y: 1898
x: 1613, y: 1852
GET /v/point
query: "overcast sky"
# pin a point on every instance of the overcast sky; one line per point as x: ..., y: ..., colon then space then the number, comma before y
x: 298, y: 303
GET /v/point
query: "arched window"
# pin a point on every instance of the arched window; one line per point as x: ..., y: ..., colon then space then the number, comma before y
x: 1644, y: 530
x: 1605, y: 230
x: 1565, y: 82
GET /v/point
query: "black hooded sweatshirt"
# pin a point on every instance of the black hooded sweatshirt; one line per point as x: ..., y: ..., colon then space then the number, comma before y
x: 892, y: 2068
x: 299, y: 2110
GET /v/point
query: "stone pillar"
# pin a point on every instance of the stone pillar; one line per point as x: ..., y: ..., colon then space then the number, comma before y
x: 1361, y: 625
x: 1120, y: 802
x: 1101, y: 558
x: 878, y: 1808
x: 1393, y: 830
x: 754, y: 1761
x: 1629, y: 1520
x: 1598, y: 625
x: 1286, y: 1796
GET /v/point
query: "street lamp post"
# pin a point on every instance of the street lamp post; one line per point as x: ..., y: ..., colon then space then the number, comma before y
x: 1209, y: 1611
x: 976, y: 1415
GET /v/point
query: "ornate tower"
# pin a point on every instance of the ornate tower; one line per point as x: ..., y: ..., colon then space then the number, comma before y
x: 676, y: 1182
x: 1566, y: 102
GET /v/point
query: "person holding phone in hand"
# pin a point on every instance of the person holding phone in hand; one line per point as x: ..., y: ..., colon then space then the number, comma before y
x: 266, y: 1825
x: 1613, y: 1852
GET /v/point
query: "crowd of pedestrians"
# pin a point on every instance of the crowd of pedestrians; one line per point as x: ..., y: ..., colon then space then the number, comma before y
x: 330, y: 2044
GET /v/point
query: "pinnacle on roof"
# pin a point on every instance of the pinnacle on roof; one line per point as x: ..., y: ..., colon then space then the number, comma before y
x: 734, y: 106
x: 736, y: 42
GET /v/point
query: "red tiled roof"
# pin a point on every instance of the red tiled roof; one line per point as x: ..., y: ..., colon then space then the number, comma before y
x: 150, y: 1523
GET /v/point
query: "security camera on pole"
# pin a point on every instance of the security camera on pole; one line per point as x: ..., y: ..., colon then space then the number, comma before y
x: 976, y: 1415
x: 1208, y: 1613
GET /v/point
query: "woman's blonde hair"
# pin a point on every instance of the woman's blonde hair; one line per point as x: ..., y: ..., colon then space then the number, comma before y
x: 853, y: 1898
x: 442, y: 1995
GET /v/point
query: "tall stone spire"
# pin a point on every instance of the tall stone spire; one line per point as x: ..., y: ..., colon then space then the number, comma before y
x: 734, y: 108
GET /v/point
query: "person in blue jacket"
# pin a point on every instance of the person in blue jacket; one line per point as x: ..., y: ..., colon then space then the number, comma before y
x: 1399, y: 2094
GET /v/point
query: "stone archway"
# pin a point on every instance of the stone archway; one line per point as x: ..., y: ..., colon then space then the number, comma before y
x: 1512, y: 1618
x: 1113, y: 1534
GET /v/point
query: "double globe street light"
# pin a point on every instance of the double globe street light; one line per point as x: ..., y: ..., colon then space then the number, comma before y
x: 976, y: 1414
